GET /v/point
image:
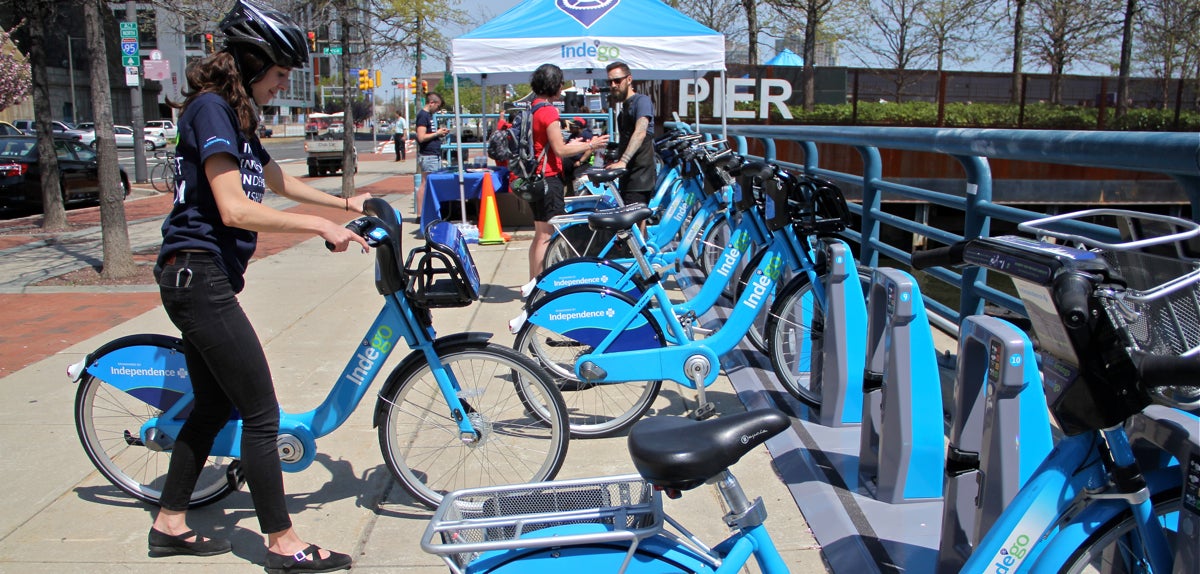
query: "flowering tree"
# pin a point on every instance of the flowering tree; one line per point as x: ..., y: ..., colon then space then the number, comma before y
x: 15, y: 77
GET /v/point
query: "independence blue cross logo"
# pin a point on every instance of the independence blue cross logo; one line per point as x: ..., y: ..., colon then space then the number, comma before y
x: 586, y: 12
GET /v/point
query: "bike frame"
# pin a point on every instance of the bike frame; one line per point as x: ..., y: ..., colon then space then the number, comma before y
x: 1053, y: 514
x: 396, y: 320
x: 669, y: 362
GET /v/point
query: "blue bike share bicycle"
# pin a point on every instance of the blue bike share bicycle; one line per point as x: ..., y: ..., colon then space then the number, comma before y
x: 610, y: 349
x: 455, y: 413
x: 1118, y: 493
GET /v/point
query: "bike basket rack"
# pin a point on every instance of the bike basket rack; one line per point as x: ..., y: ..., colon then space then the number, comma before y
x: 442, y: 272
x: 1159, y: 310
x: 473, y: 521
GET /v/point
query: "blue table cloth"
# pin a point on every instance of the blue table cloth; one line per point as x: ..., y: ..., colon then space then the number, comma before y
x: 442, y: 186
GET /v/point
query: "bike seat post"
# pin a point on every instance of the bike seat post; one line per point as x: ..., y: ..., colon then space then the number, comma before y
x: 742, y: 513
x: 635, y: 247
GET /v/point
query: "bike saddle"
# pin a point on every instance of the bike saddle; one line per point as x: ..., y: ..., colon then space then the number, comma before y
x: 680, y: 453
x: 601, y: 175
x: 619, y: 218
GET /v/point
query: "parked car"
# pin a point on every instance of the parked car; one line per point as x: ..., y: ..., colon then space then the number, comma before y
x: 337, y: 127
x: 7, y: 129
x: 29, y: 127
x: 124, y: 136
x: 85, y: 126
x: 167, y: 127
x: 20, y: 175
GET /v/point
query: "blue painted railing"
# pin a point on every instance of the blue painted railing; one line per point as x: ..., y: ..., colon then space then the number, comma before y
x: 1173, y: 154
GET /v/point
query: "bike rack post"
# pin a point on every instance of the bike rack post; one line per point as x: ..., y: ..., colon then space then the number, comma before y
x: 843, y: 338
x: 999, y: 432
x: 901, y: 445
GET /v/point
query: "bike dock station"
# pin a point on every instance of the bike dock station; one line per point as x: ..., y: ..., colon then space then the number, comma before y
x: 887, y: 478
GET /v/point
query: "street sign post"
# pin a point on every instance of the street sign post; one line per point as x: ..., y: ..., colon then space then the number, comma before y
x: 129, y: 53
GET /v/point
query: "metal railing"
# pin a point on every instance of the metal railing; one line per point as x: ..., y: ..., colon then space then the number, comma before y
x: 1173, y: 154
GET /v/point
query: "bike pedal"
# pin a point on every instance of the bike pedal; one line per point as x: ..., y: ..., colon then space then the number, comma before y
x: 704, y: 411
x: 234, y: 475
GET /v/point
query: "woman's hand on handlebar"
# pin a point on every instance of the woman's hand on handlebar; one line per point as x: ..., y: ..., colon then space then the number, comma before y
x: 338, y: 238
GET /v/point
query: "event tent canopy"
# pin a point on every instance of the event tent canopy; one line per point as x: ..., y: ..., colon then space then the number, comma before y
x: 583, y: 36
x: 786, y: 58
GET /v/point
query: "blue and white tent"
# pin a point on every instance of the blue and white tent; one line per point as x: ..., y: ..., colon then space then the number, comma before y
x: 584, y: 36
x: 786, y: 58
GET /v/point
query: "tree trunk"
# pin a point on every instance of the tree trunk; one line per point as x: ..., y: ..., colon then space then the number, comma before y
x: 118, y: 257
x: 348, y: 158
x: 54, y: 217
x: 1126, y: 50
x: 1056, y: 76
x: 752, y: 28
x: 809, y: 74
x: 1018, y: 49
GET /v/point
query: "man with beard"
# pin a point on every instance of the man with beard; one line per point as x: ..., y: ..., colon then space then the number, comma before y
x: 635, y: 124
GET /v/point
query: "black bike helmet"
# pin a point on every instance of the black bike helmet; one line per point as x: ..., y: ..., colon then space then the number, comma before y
x: 274, y: 34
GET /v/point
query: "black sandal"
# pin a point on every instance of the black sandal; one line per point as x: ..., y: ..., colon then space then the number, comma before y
x: 307, y: 561
x: 163, y: 544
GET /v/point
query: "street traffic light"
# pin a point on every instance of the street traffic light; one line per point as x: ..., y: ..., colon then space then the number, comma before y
x: 424, y: 87
x: 412, y: 85
x: 312, y: 40
x: 378, y: 79
x: 364, y: 80
x: 210, y: 48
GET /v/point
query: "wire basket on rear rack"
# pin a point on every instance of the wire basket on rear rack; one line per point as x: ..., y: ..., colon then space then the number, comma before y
x: 1159, y: 310
x: 472, y: 522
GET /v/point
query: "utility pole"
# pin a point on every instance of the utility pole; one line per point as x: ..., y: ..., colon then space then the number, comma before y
x: 135, y: 98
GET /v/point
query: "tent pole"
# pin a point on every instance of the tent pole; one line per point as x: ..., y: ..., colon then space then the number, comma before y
x: 724, y: 117
x: 462, y: 187
x: 483, y: 130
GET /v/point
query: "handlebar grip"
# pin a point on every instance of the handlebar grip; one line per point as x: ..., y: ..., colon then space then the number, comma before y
x: 1071, y: 294
x: 939, y: 257
x: 1167, y: 371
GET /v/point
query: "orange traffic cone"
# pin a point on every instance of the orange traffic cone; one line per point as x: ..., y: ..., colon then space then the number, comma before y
x: 489, y: 215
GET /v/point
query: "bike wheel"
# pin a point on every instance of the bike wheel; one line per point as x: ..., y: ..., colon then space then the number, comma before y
x: 420, y: 440
x: 712, y: 244
x: 108, y: 421
x: 1112, y: 548
x: 594, y: 410
x: 789, y: 338
x: 158, y: 177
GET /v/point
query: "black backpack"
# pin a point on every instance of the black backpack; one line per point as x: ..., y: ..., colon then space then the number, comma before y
x: 515, y: 144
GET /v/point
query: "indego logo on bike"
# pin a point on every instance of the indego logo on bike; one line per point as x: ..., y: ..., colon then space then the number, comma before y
x: 381, y: 343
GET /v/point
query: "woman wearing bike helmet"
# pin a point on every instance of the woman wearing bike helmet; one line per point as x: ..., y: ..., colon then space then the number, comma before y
x: 208, y: 239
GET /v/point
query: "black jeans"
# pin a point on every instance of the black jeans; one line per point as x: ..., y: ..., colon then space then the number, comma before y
x: 228, y: 370
x: 398, y: 139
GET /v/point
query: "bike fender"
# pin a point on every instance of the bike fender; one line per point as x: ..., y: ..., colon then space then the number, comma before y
x: 587, y: 313
x: 151, y: 368
x: 439, y: 345
x: 585, y: 271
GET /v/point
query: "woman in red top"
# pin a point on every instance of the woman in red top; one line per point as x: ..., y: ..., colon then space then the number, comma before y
x: 546, y: 83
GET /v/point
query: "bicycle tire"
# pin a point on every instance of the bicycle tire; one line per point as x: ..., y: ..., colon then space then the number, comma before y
x: 595, y: 410
x: 420, y: 440
x: 106, y: 419
x: 1107, y: 549
x: 580, y: 240
x: 789, y: 338
x: 158, y: 177
x: 710, y: 246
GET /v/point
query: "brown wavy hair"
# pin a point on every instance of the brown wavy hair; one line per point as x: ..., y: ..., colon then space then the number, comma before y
x: 219, y: 74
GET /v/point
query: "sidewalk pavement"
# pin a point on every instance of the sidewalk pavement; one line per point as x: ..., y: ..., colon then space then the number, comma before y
x: 310, y: 307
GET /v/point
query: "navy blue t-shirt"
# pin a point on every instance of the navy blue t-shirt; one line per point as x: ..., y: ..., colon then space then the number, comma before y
x: 208, y: 127
x: 433, y: 146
